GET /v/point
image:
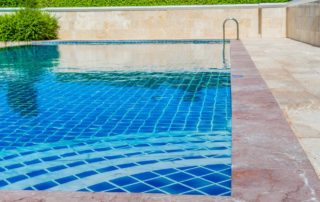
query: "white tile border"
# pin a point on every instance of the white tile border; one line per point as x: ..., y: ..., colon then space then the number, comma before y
x: 14, y: 43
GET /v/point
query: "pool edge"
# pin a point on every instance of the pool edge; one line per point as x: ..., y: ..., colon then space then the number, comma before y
x: 268, y: 162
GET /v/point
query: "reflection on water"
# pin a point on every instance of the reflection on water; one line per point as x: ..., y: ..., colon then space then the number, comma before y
x: 21, y: 68
x: 192, y: 83
x: 21, y: 102
x: 141, y: 57
x: 46, y: 98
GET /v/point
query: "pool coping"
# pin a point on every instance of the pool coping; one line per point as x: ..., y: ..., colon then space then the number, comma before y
x: 268, y: 162
x: 130, y: 42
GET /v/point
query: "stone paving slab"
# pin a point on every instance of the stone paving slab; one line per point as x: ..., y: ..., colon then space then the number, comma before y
x: 291, y: 70
x: 269, y: 164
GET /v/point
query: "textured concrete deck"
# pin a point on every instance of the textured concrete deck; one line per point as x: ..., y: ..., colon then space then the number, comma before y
x: 292, y: 72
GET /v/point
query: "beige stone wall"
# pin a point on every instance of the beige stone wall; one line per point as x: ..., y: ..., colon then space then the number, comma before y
x: 273, y: 22
x: 189, y: 22
x: 169, y: 24
x: 303, y: 22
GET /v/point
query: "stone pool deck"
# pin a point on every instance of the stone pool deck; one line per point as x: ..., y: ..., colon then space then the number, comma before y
x: 269, y: 164
x: 291, y: 70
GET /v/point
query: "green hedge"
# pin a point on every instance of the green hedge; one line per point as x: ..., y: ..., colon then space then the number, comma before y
x: 27, y: 25
x: 82, y: 3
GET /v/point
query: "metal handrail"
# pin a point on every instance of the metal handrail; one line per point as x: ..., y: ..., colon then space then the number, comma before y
x: 224, y: 27
x: 224, y: 39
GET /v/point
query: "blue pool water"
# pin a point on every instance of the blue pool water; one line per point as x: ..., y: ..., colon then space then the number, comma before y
x: 98, y: 118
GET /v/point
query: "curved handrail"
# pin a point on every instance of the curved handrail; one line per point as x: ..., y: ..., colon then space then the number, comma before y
x: 224, y: 39
x: 224, y: 27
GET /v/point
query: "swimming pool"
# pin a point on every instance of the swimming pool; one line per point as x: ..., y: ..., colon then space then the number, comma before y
x: 128, y: 116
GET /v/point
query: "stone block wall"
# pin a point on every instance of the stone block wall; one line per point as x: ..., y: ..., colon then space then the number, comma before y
x: 172, y: 22
x: 273, y: 22
x: 163, y: 24
x: 303, y: 22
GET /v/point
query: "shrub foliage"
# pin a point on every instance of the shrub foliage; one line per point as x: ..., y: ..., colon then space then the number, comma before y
x: 28, y: 24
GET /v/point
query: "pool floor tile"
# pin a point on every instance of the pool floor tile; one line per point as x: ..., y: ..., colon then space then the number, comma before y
x: 101, y: 127
x: 159, y: 182
x: 101, y: 187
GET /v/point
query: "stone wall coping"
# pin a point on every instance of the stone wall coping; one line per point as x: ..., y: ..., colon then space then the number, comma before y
x: 155, y: 8
x: 299, y: 2
x: 159, y: 8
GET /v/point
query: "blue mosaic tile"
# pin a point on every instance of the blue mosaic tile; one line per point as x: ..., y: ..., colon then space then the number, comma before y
x: 145, y: 176
x: 36, y: 173
x: 77, y: 163
x: 196, y: 183
x: 18, y: 165
x: 198, y: 171
x: 69, y: 154
x: 166, y: 171
x: 86, y: 174
x: 10, y: 157
x: 147, y: 162
x: 127, y: 165
x: 45, y: 185
x: 113, y: 130
x: 179, y: 176
x: 114, y: 157
x: 214, y: 190
x: 16, y: 178
x: 84, y: 190
x: 216, y: 177
x: 176, y: 189
x: 226, y: 171
x: 116, y: 190
x: 107, y: 169
x: 101, y: 187
x: 66, y: 179
x: 226, y: 183
x: 226, y: 194
x: 56, y: 168
x: 29, y: 188
x: 155, y: 191
x: 3, y: 183
x: 138, y: 188
x: 218, y: 167
x: 159, y: 182
x: 123, y: 181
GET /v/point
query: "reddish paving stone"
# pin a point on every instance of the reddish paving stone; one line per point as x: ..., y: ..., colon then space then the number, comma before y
x: 274, y: 185
x: 43, y: 196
